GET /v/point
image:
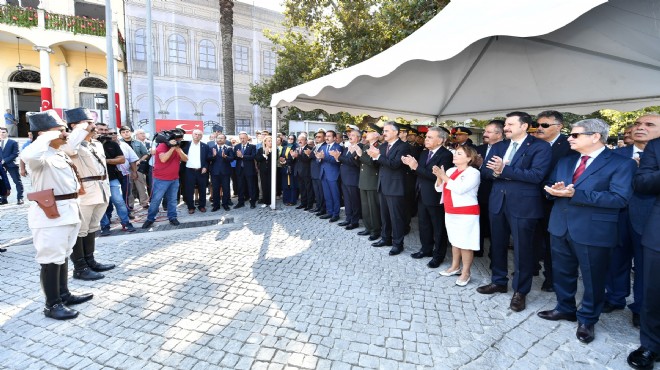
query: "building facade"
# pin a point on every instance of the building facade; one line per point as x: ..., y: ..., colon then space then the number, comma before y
x: 188, y: 71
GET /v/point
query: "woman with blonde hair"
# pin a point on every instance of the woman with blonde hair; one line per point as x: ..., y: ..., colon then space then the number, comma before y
x: 264, y: 159
x: 459, y: 187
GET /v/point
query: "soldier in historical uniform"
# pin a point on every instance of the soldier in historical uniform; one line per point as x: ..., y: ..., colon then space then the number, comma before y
x: 89, y: 157
x: 54, y: 227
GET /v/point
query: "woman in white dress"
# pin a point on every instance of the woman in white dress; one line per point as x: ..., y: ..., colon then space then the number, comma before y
x: 459, y: 187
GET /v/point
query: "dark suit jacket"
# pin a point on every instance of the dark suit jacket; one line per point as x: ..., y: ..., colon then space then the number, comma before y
x: 314, y: 164
x: 247, y: 162
x: 368, y: 171
x: 220, y: 165
x: 647, y: 181
x: 329, y: 166
x: 486, y: 184
x: 425, y: 177
x: 204, y: 153
x: 640, y: 205
x: 10, y: 153
x: 520, y: 183
x: 4, y: 182
x: 301, y: 164
x: 560, y: 149
x: 263, y: 162
x: 350, y: 167
x: 392, y: 172
x: 590, y: 217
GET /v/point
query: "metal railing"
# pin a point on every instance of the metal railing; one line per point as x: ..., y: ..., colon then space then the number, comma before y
x: 75, y: 24
x: 17, y: 16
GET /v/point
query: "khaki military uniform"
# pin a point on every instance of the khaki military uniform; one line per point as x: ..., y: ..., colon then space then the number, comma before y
x: 51, y: 169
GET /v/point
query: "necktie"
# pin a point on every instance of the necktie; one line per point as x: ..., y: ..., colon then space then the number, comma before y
x: 428, y: 159
x: 514, y: 148
x: 581, y: 168
x: 2, y: 145
x: 639, y: 155
x: 387, y: 151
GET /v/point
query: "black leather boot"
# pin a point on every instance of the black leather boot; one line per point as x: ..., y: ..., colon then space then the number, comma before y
x: 69, y: 299
x: 80, y: 268
x: 50, y: 283
x: 89, y: 245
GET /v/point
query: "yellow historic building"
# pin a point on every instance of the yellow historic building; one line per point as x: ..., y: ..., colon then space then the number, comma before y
x: 53, y: 55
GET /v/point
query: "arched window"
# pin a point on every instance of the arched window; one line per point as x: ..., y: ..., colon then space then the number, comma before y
x: 140, y: 44
x: 25, y: 76
x: 207, y: 54
x: 94, y: 82
x: 177, y: 46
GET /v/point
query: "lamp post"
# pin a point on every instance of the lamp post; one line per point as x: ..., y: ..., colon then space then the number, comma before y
x: 99, y: 100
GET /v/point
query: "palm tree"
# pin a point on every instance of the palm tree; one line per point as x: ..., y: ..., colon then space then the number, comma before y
x: 227, y: 33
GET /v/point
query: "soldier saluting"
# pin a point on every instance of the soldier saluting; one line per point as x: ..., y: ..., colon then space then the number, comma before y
x: 54, y: 216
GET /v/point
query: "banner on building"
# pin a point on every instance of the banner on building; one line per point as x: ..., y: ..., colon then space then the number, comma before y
x: 185, y: 124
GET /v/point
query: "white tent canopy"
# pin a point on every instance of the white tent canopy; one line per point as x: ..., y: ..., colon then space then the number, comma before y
x: 482, y: 58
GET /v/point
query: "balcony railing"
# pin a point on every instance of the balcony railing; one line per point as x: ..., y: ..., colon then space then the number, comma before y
x: 17, y: 16
x: 75, y: 24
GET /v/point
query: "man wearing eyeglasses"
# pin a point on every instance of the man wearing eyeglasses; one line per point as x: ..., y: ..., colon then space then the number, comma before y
x: 493, y: 134
x: 517, y: 167
x: 631, y: 225
x: 550, y: 123
x: 589, y: 189
x: 315, y: 172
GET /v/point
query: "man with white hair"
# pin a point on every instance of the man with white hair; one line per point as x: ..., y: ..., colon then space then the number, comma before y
x: 196, y: 172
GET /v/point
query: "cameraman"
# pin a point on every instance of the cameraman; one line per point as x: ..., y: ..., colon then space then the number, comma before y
x: 166, y: 176
x: 113, y: 157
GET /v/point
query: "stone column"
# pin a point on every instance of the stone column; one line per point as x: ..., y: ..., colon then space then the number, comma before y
x: 44, y: 69
x: 64, y: 86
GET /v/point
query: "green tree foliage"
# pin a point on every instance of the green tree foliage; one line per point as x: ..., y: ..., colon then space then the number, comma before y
x: 323, y: 36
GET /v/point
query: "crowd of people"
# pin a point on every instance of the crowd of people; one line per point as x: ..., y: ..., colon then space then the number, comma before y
x: 566, y: 204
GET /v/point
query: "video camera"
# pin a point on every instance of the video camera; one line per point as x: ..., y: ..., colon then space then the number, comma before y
x: 166, y: 136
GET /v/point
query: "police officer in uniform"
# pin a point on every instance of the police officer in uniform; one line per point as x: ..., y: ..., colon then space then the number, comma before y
x: 89, y: 157
x: 53, y: 238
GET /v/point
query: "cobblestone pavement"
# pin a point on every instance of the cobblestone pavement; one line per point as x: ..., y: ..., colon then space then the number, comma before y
x: 279, y: 289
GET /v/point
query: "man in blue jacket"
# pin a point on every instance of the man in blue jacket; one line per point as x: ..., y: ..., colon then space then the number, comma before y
x: 221, y: 157
x: 8, y: 155
x: 590, y: 188
x: 329, y: 175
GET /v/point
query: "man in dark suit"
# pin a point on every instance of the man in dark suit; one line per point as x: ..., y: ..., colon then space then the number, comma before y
x: 246, y: 171
x: 493, y: 134
x: 300, y: 161
x: 409, y: 179
x: 329, y: 174
x: 350, y: 178
x: 196, y: 171
x: 221, y: 157
x: 430, y: 213
x: 315, y: 173
x: 632, y: 220
x: 647, y: 181
x: 5, y: 187
x: 517, y: 167
x: 550, y: 123
x: 368, y: 184
x: 391, y: 187
x: 589, y: 189
x: 8, y: 155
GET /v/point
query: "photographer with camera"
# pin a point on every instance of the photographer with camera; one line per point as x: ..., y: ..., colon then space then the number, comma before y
x: 113, y: 157
x: 166, y: 175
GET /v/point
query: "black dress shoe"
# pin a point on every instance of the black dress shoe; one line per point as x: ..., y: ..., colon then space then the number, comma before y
x: 643, y: 358
x: 147, y: 224
x: 72, y: 299
x: 479, y: 253
x: 554, y: 315
x: 334, y: 219
x: 320, y: 213
x: 175, y: 222
x: 374, y: 237
x: 253, y: 206
x: 352, y: 226
x: 301, y: 206
x: 585, y: 333
x: 239, y: 205
x: 325, y: 216
x: 492, y: 288
x: 3, y: 250
x: 226, y: 208
x: 215, y: 209
x: 396, y: 250
x: 434, y: 263
x: 517, y: 302
x: 420, y: 254
x: 635, y: 320
x: 60, y: 312
x: 547, y: 286
x: 19, y: 202
x: 381, y: 243
x: 343, y: 223
x: 608, y: 307
x: 87, y: 274
x: 364, y: 232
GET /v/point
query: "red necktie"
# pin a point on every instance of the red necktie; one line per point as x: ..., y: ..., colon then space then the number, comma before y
x: 581, y: 168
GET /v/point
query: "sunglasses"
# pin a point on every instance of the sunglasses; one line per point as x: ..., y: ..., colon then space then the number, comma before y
x: 546, y: 125
x: 575, y: 135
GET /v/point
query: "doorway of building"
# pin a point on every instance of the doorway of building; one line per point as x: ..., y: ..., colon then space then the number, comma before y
x: 25, y: 98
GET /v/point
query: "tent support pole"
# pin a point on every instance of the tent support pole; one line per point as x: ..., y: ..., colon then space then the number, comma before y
x: 273, y: 168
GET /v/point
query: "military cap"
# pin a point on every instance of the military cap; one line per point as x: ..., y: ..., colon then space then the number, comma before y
x: 44, y: 121
x: 461, y: 130
x: 76, y: 115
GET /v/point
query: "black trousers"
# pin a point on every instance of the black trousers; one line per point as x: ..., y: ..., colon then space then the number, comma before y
x: 392, y: 213
x: 649, y: 333
x: 195, y: 177
x: 542, y: 242
x: 317, y: 185
x: 247, y: 188
x: 351, y: 203
x: 306, y: 191
x: 432, y: 230
x: 522, y: 229
x: 265, y: 186
x: 370, y: 211
x: 220, y: 182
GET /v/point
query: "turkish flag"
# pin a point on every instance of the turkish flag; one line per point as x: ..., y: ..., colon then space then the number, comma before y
x: 186, y: 125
